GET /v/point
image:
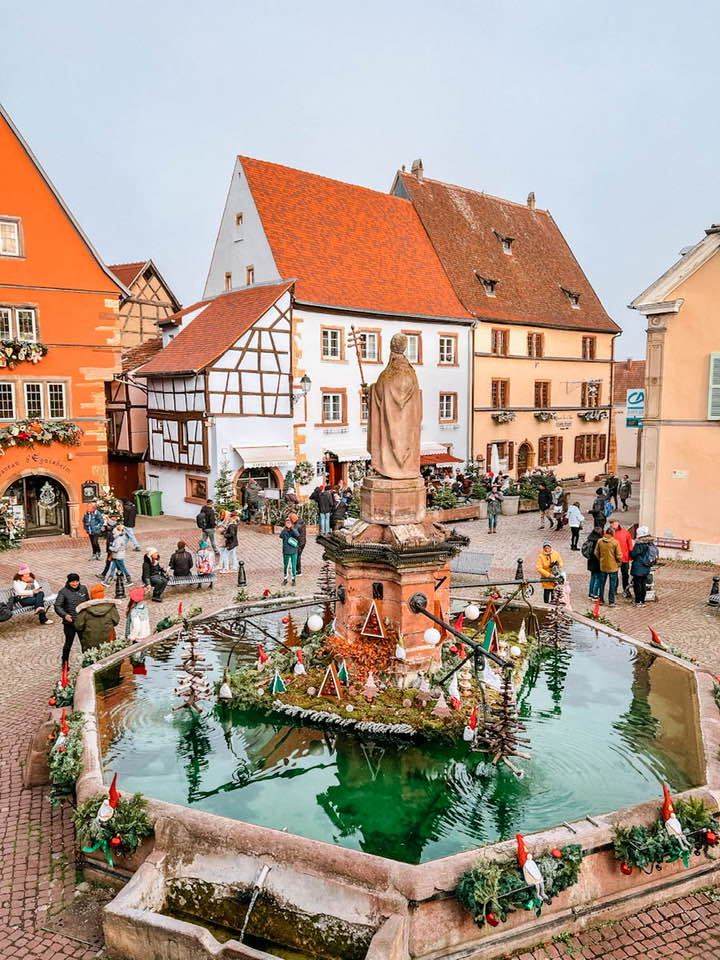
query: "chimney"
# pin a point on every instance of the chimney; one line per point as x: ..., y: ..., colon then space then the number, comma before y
x: 417, y: 169
x: 531, y: 200
x: 713, y: 228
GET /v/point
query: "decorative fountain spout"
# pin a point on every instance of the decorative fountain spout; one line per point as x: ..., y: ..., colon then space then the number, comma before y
x: 257, y: 887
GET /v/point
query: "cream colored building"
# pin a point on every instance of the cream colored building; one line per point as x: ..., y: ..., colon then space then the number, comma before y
x: 681, y: 431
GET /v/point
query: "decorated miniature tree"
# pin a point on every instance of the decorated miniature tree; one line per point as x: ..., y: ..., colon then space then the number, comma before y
x: 501, y: 736
x: 441, y: 709
x: 326, y: 580
x: 192, y: 686
x: 557, y: 627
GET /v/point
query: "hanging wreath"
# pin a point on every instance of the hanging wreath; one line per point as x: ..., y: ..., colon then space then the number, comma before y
x: 303, y: 472
x: 16, y: 351
x: 26, y: 433
x: 647, y: 848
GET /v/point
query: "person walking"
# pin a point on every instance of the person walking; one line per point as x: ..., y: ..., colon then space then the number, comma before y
x: 598, y: 508
x: 96, y: 619
x: 609, y: 555
x: 153, y: 575
x: 625, y: 491
x: 93, y: 524
x: 116, y: 549
x: 494, y: 509
x: 181, y: 560
x: 593, y: 564
x: 548, y: 564
x: 207, y: 521
x: 612, y: 484
x: 626, y: 544
x: 546, y: 506
x: 27, y: 592
x: 129, y: 518
x: 560, y: 505
x: 299, y: 525
x: 575, y: 521
x: 66, y: 603
x: 642, y: 557
x: 324, y: 499
x: 229, y: 561
x: 289, y: 537
x: 137, y: 618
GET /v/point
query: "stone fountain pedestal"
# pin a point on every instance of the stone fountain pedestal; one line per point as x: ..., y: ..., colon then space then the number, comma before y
x: 386, y: 556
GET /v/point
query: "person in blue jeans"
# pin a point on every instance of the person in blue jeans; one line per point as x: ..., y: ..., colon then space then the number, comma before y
x: 291, y: 543
x: 609, y: 554
x: 593, y: 564
x: 494, y: 508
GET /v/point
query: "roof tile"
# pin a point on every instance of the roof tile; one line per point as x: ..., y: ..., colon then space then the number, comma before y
x: 627, y: 375
x: 126, y: 272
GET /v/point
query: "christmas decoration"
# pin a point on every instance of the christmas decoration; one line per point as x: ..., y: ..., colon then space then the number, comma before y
x: 522, y: 633
x: 423, y: 694
x: 314, y: 623
x: 490, y: 613
x: 432, y: 637
x: 400, y: 652
x: 655, y: 639
x: 441, y: 708
x: 225, y: 497
x: 64, y: 690
x: 490, y: 640
x: 531, y: 872
x: 370, y: 690
x: 303, y: 472
x: 672, y: 824
x: 13, y: 352
x: 454, y: 692
x: 372, y: 627
x: 343, y: 675
x: 492, y: 888
x: 711, y: 837
x: 626, y: 869
x: 278, y: 684
x: 12, y: 524
x: 115, y: 842
x: 596, y: 608
x: 106, y: 810
x: 26, y: 433
x: 501, y: 736
x: 472, y: 612
x: 299, y: 667
x: 137, y: 662
x: 460, y: 619
x: 330, y: 686
x: 129, y: 823
x: 649, y: 847
x: 555, y: 852
x: 225, y: 691
x: 471, y: 725
x: 65, y: 755
x: 192, y: 686
x: 262, y: 657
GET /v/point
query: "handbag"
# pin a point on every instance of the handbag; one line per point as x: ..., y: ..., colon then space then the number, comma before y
x: 292, y: 542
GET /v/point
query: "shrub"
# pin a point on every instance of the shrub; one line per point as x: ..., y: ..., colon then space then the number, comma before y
x: 444, y: 499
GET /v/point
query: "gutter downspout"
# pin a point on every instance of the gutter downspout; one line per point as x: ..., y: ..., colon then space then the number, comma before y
x: 471, y: 393
x: 611, y: 418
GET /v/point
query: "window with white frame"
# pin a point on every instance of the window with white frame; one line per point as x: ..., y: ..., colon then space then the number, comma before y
x: 331, y: 343
x: 364, y: 407
x: 7, y: 401
x: 5, y: 323
x: 369, y: 346
x: 34, y: 400
x: 9, y: 238
x: 448, y: 347
x: 448, y: 406
x: 332, y: 407
x: 56, y: 401
x: 413, y: 347
x: 26, y: 329
x: 18, y: 323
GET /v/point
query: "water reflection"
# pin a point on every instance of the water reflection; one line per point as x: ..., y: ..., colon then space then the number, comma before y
x: 606, y: 725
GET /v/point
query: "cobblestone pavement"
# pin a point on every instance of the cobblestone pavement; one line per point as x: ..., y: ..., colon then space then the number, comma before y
x: 37, y: 868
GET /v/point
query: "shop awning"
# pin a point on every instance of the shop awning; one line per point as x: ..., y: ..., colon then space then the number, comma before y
x: 270, y: 456
x: 350, y: 453
x: 438, y: 459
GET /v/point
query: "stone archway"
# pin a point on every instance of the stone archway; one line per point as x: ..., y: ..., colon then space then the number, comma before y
x: 525, y: 457
x: 44, y: 502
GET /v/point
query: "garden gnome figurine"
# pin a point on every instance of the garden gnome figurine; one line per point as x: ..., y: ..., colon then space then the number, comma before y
x: 672, y: 824
x: 107, y: 807
x: 530, y: 870
x: 394, y: 417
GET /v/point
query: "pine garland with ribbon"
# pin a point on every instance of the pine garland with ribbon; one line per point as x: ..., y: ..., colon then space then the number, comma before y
x: 121, y: 835
x: 65, y: 757
x: 26, y: 433
x: 647, y: 848
x: 63, y: 695
x: 492, y: 889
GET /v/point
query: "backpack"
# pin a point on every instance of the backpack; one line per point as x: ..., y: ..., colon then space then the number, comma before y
x: 653, y: 554
x: 587, y: 549
x: 201, y: 520
x: 607, y: 508
x: 204, y: 567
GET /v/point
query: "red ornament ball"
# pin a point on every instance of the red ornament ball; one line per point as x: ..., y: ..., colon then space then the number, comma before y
x: 61, y: 749
x: 711, y: 837
x: 286, y: 619
x: 51, y: 737
x: 452, y: 649
x: 115, y: 842
x: 556, y: 853
x: 626, y: 869
x: 492, y: 919
x: 52, y: 701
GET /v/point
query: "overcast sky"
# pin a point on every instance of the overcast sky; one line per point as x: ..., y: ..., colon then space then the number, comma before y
x: 608, y: 111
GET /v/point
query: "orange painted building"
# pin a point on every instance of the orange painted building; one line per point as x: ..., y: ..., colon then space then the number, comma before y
x: 59, y: 321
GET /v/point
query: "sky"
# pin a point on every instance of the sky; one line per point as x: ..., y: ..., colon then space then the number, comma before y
x: 607, y: 111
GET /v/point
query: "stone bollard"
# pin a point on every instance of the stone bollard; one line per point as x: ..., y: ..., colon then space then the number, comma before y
x: 119, y: 586
x: 714, y: 598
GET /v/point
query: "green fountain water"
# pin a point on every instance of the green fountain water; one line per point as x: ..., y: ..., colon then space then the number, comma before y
x: 607, y: 725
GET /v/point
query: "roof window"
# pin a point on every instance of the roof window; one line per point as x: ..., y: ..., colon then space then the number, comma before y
x: 573, y: 297
x: 488, y: 284
x: 505, y: 242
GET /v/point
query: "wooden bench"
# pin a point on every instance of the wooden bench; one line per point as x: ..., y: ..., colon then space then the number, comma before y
x: 191, y: 579
x: 8, y: 596
x: 667, y: 543
x: 470, y: 563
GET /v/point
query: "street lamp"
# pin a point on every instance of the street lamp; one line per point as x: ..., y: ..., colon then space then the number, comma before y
x: 304, y: 389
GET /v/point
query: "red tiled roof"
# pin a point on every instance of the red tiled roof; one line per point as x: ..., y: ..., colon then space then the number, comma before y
x: 349, y: 246
x: 218, y: 323
x: 126, y: 272
x: 627, y: 375
x: 135, y: 357
x: 466, y: 228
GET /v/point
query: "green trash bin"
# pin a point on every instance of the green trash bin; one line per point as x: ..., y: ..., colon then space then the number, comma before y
x: 139, y: 505
x: 153, y: 499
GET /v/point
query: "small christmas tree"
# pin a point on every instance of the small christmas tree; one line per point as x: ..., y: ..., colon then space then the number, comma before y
x: 326, y: 580
x: 557, y: 627
x: 289, y: 481
x: 278, y: 684
x: 193, y: 686
x: 372, y: 627
x: 330, y: 686
x: 224, y: 491
x: 501, y: 736
x: 441, y: 709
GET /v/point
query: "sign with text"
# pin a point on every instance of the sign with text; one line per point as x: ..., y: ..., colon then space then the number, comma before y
x: 634, y: 408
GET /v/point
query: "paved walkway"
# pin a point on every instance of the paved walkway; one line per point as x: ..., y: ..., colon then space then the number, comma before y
x: 37, y: 868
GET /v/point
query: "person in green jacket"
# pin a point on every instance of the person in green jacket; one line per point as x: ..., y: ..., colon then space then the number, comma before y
x: 96, y: 619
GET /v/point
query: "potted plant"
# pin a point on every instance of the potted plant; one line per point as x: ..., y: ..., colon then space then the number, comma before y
x: 479, y: 492
x: 511, y: 501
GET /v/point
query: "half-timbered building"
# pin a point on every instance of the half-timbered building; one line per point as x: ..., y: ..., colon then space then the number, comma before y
x: 149, y: 301
x: 220, y: 391
x: 361, y: 261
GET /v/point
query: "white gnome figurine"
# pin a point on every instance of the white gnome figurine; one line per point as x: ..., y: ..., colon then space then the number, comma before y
x: 530, y: 870
x: 672, y: 824
x: 107, y: 807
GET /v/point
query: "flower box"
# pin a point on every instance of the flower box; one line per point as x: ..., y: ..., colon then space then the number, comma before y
x: 467, y: 512
x: 527, y: 504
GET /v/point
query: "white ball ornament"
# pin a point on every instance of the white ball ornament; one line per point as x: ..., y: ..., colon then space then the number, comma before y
x: 314, y: 623
x: 472, y: 612
x: 515, y: 651
x: 349, y: 707
x: 432, y: 636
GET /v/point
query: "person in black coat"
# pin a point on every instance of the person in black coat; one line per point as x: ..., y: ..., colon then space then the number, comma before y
x: 228, y: 553
x: 593, y: 562
x: 325, y: 500
x: 339, y: 514
x: 129, y: 518
x: 181, y: 561
x: 153, y: 574
x: 598, y: 508
x: 66, y: 603
x: 546, y: 506
x: 209, y: 524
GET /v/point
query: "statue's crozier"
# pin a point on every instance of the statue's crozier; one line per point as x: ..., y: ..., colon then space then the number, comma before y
x: 394, y: 417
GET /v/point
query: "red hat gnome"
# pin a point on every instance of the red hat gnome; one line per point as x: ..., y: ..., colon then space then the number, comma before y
x: 299, y: 667
x: 530, y: 870
x: 656, y: 641
x: 262, y: 657
x: 107, y: 807
x: 672, y: 824
x: 471, y: 725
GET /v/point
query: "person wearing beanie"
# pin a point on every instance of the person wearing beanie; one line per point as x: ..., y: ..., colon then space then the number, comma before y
x: 642, y: 557
x: 137, y: 621
x: 67, y: 601
x: 299, y: 525
x: 96, y: 619
x: 27, y: 592
x: 205, y: 559
x: 548, y: 564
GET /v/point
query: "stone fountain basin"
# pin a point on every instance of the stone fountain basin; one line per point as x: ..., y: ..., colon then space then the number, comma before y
x: 411, y: 907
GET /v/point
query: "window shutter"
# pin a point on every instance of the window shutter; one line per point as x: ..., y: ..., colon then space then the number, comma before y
x: 603, y: 447
x: 559, y: 449
x: 714, y: 388
x: 511, y: 454
x: 578, y: 449
x: 488, y: 455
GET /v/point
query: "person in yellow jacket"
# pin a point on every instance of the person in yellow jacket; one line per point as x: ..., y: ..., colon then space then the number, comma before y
x: 547, y: 560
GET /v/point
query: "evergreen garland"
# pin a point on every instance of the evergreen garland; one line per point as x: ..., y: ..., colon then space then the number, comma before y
x: 497, y: 888
x: 303, y: 472
x: 65, y: 760
x: 647, y: 848
x: 94, y: 654
x: 130, y: 824
x: 26, y: 433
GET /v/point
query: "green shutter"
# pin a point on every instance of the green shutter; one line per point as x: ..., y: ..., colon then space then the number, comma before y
x: 714, y: 387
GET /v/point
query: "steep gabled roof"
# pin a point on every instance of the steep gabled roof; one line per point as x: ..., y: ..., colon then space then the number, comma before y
x: 66, y: 210
x: 627, y: 375
x: 349, y: 246
x: 127, y: 273
x: 216, y: 325
x: 533, y: 284
x: 695, y: 258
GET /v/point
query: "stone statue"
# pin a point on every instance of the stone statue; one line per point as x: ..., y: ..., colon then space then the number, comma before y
x: 394, y: 417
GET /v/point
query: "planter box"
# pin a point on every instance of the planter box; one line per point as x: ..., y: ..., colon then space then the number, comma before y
x: 510, y: 506
x: 526, y: 506
x: 469, y: 512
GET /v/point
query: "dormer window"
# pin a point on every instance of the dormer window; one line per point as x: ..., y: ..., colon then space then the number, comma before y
x: 573, y: 297
x: 488, y: 285
x: 505, y: 242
